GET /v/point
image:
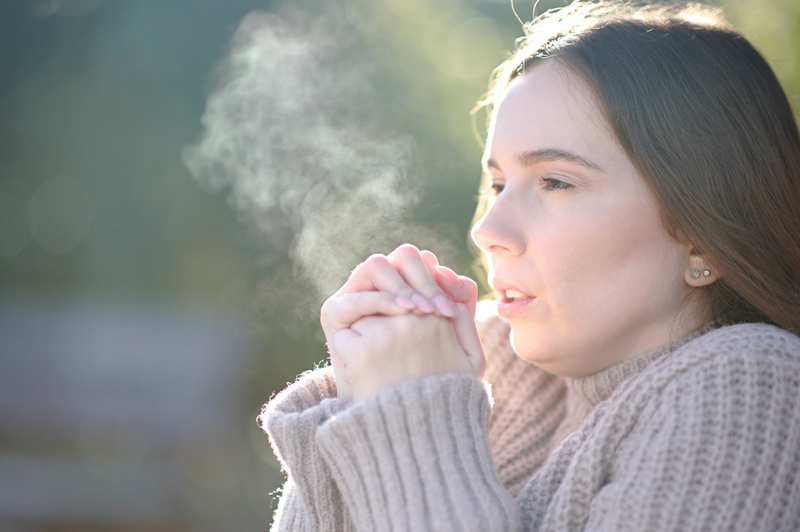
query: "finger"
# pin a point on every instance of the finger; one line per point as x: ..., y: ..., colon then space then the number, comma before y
x: 408, y: 261
x: 467, y: 335
x: 341, y: 312
x: 430, y: 261
x: 462, y: 289
x: 377, y: 274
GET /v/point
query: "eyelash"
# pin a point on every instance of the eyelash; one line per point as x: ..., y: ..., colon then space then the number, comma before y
x: 555, y: 184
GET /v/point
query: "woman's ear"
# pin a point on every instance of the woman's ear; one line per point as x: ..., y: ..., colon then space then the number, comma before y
x: 699, y: 272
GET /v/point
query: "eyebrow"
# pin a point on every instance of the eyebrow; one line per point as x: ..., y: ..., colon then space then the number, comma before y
x: 532, y: 157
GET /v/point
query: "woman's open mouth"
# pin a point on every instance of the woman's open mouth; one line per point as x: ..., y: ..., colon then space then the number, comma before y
x: 513, y: 303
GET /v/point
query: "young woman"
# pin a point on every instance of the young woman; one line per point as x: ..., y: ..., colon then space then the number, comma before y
x: 642, y: 227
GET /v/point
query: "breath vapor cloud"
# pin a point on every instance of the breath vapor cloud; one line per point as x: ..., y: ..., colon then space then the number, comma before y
x: 290, y: 136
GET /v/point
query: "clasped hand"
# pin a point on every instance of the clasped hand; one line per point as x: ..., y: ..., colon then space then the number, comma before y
x: 400, y: 317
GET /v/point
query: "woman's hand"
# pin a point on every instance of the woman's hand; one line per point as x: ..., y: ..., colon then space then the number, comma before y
x: 414, y: 277
x: 406, y: 281
x: 378, y: 352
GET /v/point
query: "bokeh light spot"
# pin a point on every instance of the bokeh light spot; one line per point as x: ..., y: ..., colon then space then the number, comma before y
x: 59, y: 214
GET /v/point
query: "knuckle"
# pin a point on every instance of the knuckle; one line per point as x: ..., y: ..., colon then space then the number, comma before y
x: 467, y: 281
x: 325, y: 311
x: 408, y: 247
x: 327, y: 304
x: 429, y: 258
x: 376, y: 259
x: 406, y: 251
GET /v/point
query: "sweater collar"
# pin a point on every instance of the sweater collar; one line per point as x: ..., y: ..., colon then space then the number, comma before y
x: 599, y: 386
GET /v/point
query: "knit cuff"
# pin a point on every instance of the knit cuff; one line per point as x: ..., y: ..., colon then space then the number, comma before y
x: 291, y: 419
x: 416, y: 457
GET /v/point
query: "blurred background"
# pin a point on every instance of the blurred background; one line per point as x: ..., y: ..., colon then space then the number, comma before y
x: 182, y: 183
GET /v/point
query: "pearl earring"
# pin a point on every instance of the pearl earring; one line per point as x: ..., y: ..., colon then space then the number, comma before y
x: 706, y: 272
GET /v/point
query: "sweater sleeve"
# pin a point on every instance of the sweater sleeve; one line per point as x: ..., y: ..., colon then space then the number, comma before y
x: 310, y: 499
x: 519, y: 430
x: 416, y: 457
x: 717, y: 449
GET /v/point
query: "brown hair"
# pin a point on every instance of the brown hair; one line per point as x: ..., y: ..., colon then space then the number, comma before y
x: 706, y: 123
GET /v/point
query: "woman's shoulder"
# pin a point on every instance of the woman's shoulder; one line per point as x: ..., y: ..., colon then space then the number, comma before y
x: 722, y: 392
x: 713, y: 421
x: 753, y: 342
x: 727, y: 363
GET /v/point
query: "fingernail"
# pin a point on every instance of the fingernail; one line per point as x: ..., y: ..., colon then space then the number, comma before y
x: 423, y: 304
x: 405, y: 302
x: 445, y: 306
x: 448, y: 274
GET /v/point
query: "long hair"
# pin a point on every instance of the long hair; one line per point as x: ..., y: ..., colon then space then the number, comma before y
x: 705, y: 121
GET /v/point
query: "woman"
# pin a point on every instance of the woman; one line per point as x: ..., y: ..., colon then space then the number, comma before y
x: 642, y: 225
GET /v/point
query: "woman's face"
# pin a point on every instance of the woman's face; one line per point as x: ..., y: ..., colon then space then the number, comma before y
x: 584, y: 271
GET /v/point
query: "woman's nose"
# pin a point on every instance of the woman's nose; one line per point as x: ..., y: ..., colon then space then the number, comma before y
x: 498, y: 232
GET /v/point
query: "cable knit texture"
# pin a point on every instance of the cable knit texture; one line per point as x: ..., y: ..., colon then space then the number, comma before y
x: 700, y: 434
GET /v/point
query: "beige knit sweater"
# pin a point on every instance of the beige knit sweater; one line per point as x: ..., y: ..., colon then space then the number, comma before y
x: 701, y: 434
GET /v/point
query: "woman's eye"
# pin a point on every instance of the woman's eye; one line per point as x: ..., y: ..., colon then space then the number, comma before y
x: 497, y: 188
x: 550, y: 183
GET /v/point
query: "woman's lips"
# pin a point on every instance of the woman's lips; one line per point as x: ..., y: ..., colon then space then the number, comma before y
x: 513, y: 303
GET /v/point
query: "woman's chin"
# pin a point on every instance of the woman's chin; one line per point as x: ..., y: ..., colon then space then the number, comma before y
x: 527, y: 347
x: 534, y: 348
